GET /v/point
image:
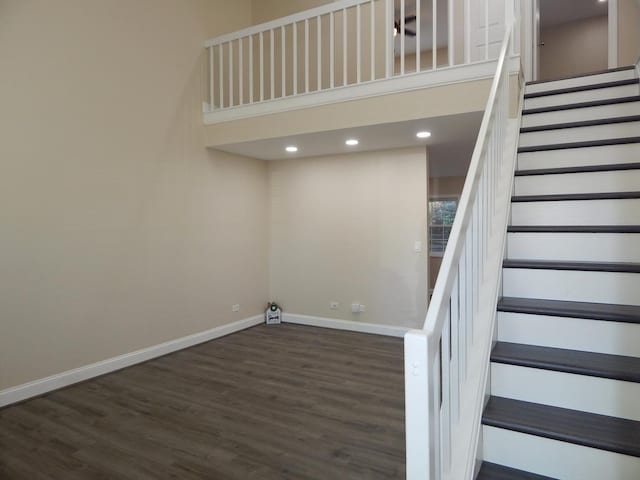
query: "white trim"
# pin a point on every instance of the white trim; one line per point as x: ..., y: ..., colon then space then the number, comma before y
x: 64, y: 379
x: 613, y: 34
x: 417, y: 81
x: 336, y: 324
x: 638, y: 67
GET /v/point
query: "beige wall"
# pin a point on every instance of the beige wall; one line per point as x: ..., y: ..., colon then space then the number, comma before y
x: 573, y: 48
x: 266, y: 10
x: 442, y: 187
x: 628, y: 32
x: 118, y: 230
x: 343, y: 229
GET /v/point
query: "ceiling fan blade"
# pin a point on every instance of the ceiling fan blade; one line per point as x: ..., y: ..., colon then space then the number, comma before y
x: 409, y: 33
x: 410, y: 19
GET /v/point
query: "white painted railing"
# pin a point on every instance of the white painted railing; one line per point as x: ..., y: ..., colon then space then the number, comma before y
x: 446, y: 363
x: 346, y: 43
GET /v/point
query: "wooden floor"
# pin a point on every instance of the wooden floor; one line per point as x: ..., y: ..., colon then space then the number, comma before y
x: 277, y: 402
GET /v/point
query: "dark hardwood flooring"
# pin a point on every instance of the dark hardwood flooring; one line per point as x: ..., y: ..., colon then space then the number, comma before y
x: 277, y: 402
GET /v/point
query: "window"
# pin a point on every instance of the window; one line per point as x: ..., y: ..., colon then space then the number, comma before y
x: 442, y: 211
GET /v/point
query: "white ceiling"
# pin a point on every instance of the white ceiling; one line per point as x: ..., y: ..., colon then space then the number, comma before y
x: 557, y: 12
x: 450, y: 145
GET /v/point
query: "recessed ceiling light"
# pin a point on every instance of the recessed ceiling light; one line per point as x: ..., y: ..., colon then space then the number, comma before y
x: 352, y: 142
x: 423, y: 134
x: 291, y: 149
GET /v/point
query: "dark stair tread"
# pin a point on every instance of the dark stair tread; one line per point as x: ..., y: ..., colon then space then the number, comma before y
x: 589, y: 143
x: 575, y: 106
x: 582, y: 88
x: 560, y: 308
x: 576, y: 196
x: 612, y: 167
x: 573, y: 229
x: 622, y: 267
x: 615, y: 367
x: 581, y: 124
x: 492, y: 471
x: 586, y: 74
x: 588, y: 429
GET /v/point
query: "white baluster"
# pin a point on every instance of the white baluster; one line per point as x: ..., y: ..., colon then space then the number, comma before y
x: 212, y: 103
x: 345, y: 42
x: 251, y: 69
x: 332, y: 50
x: 486, y: 29
x: 295, y: 59
x: 434, y: 40
x: 306, y: 55
x: 319, y: 52
x: 451, y: 30
x: 372, y: 6
x: 402, y: 33
x: 241, y: 71
x: 272, y: 66
x: 261, y: 66
x: 231, y: 85
x: 358, y: 44
x: 221, y: 73
x: 283, y: 61
x: 418, y: 34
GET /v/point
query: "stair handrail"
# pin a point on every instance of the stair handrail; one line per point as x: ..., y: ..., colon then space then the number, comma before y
x: 446, y: 363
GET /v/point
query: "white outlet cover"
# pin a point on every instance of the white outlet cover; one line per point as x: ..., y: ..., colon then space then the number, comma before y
x: 334, y: 305
x: 363, y: 308
x: 235, y: 308
x: 355, y: 308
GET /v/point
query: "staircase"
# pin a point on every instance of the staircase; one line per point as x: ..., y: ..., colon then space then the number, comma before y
x: 565, y: 371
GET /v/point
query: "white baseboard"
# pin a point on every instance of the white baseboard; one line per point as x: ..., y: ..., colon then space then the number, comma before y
x: 64, y: 379
x: 373, y: 328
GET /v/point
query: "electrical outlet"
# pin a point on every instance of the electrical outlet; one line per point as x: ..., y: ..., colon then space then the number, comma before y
x: 363, y: 308
x: 235, y: 308
x: 334, y: 305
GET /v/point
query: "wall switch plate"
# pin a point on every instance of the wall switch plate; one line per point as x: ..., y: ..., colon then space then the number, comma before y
x: 334, y: 305
x: 235, y: 308
x: 417, y: 246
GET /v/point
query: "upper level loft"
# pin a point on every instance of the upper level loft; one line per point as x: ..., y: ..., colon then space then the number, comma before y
x: 354, y: 50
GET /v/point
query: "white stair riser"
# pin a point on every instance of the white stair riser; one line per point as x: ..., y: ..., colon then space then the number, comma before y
x: 581, y: 114
x: 587, y: 182
x: 581, y: 81
x: 580, y: 134
x: 615, y: 338
x: 575, y: 157
x: 582, y: 96
x: 554, y: 458
x: 594, y: 247
x: 603, y: 396
x: 573, y: 286
x: 578, y: 212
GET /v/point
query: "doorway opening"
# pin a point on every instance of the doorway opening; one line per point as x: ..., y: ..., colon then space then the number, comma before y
x: 572, y: 41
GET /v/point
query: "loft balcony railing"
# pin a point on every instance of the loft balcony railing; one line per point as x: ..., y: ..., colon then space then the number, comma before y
x: 346, y: 44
